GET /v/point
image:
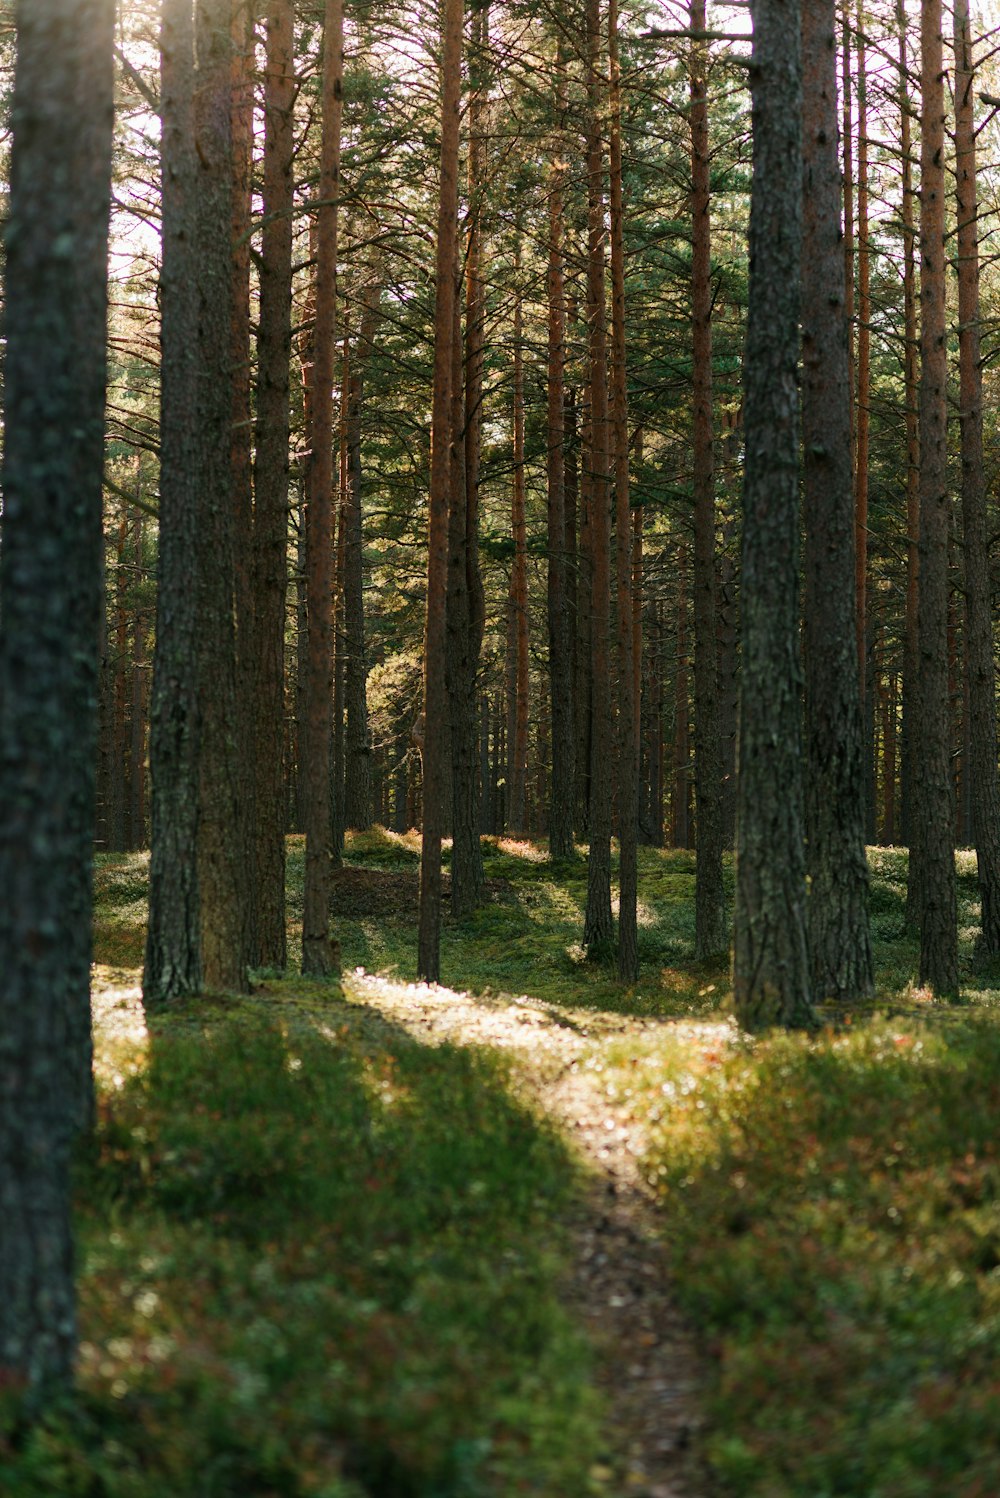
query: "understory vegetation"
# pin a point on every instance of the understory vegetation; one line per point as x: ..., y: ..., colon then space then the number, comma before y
x: 319, y: 1258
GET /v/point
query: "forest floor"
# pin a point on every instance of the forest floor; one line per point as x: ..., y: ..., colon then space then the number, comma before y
x: 532, y: 1233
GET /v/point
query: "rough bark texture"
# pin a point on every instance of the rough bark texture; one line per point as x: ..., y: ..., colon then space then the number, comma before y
x: 357, y: 737
x: 935, y: 807
x: 320, y: 956
x: 598, y: 931
x: 839, y: 939
x: 560, y: 638
x: 222, y: 872
x: 628, y: 751
x: 270, y: 523
x: 711, y: 935
x: 241, y: 102
x: 770, y: 962
x: 517, y: 707
x: 51, y: 602
x: 910, y: 381
x: 985, y: 790
x: 435, y: 735
x: 173, y: 933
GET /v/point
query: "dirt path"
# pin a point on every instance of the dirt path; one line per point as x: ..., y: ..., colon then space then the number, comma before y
x: 620, y: 1289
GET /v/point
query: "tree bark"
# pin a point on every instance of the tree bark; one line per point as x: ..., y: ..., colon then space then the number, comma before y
x: 839, y: 937
x: 222, y: 873
x: 517, y: 708
x: 980, y: 675
x: 935, y: 817
x: 55, y: 317
x: 173, y: 934
x: 560, y: 639
x: 358, y: 739
x: 320, y: 955
x: 436, y: 741
x: 598, y: 932
x: 711, y: 934
x: 770, y: 961
x: 271, y: 497
x: 628, y: 751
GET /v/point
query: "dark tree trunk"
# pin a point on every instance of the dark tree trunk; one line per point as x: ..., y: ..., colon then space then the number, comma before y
x: 137, y: 734
x: 598, y: 932
x: 517, y: 706
x: 911, y: 654
x: 770, y: 962
x: 222, y: 880
x: 55, y: 317
x: 980, y: 676
x: 358, y: 740
x: 711, y: 934
x: 270, y: 526
x: 680, y: 800
x: 839, y: 938
x: 435, y: 731
x: 173, y: 935
x: 560, y: 638
x: 320, y: 956
x: 935, y: 805
x: 241, y: 103
x: 628, y: 756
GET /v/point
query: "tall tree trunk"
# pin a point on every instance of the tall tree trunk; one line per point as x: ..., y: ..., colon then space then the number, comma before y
x: 358, y: 739
x: 55, y: 317
x: 468, y: 877
x: 270, y: 523
x: 320, y: 955
x: 598, y: 931
x: 770, y: 962
x: 911, y: 654
x: 517, y: 711
x: 137, y: 745
x: 560, y: 640
x: 173, y: 933
x: 839, y: 938
x: 711, y: 935
x: 118, y: 785
x: 241, y: 460
x: 863, y: 443
x: 985, y: 791
x: 435, y: 734
x: 628, y: 749
x: 935, y: 817
x: 222, y: 874
x: 681, y: 795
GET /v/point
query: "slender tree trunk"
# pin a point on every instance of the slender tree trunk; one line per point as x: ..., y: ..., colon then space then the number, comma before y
x: 770, y: 963
x: 173, y: 934
x: 560, y: 642
x: 681, y: 798
x: 711, y: 935
x: 358, y: 742
x: 628, y: 749
x: 271, y: 498
x: 222, y: 873
x: 911, y: 654
x: 137, y: 745
x: 436, y: 740
x: 839, y: 938
x: 985, y: 791
x: 935, y: 812
x: 117, y: 785
x: 517, y: 735
x: 55, y: 315
x: 598, y: 932
x: 320, y: 955
x: 863, y: 419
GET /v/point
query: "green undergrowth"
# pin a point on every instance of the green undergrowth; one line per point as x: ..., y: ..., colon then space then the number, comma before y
x: 832, y: 1208
x: 317, y: 1258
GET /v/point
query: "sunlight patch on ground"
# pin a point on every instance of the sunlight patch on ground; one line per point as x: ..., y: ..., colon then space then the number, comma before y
x: 121, y: 1040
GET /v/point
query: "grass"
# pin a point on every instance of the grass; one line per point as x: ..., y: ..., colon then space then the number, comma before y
x: 320, y: 1259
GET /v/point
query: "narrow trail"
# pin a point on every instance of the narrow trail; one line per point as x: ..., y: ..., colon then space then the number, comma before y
x: 647, y: 1359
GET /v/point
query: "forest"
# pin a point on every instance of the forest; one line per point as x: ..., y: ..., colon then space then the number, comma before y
x: 499, y: 796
